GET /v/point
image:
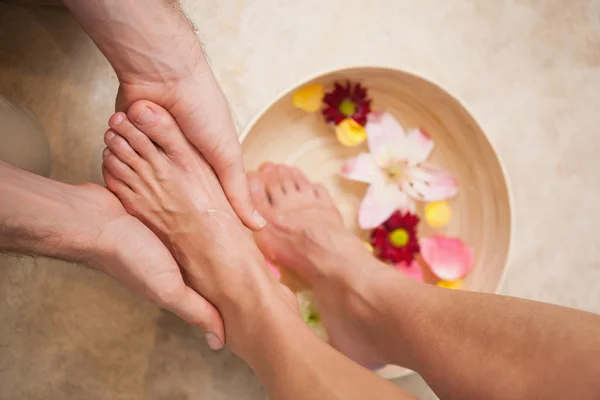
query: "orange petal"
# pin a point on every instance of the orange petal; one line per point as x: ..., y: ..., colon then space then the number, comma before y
x: 457, y: 284
x: 309, y: 98
x: 350, y: 133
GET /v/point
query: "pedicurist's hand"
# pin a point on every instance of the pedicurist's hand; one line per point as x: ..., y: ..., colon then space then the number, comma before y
x: 129, y: 252
x: 200, y: 109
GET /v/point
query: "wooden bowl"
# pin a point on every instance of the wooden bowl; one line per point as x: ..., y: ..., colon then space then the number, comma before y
x: 481, y: 210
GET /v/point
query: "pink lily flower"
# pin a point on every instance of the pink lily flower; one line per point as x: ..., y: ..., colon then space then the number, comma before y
x: 448, y: 258
x: 395, y: 170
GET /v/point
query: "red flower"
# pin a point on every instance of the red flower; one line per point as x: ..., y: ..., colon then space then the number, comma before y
x: 396, y: 240
x: 347, y: 102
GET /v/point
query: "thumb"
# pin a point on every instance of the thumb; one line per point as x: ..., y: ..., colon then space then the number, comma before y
x: 195, y: 309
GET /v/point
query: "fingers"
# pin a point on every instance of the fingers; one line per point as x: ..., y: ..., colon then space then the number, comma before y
x: 206, y: 122
x: 230, y: 171
x: 195, y: 309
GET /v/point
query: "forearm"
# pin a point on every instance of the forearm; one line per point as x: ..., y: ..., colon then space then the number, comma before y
x: 472, y: 345
x: 39, y: 216
x: 145, y: 41
x: 294, y: 364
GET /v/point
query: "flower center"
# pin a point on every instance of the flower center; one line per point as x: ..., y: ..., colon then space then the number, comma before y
x: 347, y: 107
x: 395, y: 172
x: 399, y: 237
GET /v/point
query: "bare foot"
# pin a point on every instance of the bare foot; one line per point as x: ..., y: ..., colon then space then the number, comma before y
x: 161, y: 179
x: 303, y: 221
x: 305, y: 234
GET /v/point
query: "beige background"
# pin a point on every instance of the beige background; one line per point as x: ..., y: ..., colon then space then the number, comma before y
x: 528, y: 70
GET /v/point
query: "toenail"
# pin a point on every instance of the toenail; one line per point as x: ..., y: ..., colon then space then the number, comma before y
x: 259, y: 219
x: 118, y: 119
x: 145, y: 117
x: 110, y: 135
x: 106, y: 152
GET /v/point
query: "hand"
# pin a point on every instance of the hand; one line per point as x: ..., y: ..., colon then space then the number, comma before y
x: 201, y: 110
x: 128, y: 251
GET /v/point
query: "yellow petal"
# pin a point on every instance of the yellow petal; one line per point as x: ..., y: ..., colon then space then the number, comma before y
x: 457, y: 284
x: 369, y: 247
x: 350, y: 133
x: 309, y: 98
x: 438, y: 214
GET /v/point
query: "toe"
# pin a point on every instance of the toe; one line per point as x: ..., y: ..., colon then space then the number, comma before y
x: 322, y: 194
x: 159, y: 126
x: 119, y: 170
x: 286, y: 179
x: 138, y: 141
x: 270, y: 178
x: 259, y: 194
x: 302, y: 184
x: 123, y: 151
x: 117, y: 186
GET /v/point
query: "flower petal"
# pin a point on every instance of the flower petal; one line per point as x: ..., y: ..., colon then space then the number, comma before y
x: 457, y: 284
x: 309, y: 98
x: 448, y: 258
x: 428, y: 183
x: 385, y: 134
x: 362, y: 168
x: 438, y: 214
x: 379, y: 204
x: 350, y: 133
x: 412, y: 270
x: 419, y: 146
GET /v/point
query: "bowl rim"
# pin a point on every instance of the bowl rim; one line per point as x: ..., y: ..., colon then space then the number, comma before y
x: 323, y: 73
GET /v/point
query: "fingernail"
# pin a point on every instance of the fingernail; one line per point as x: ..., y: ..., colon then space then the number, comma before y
x: 259, y: 219
x: 110, y: 135
x: 213, y: 341
x: 145, y: 116
x: 118, y: 118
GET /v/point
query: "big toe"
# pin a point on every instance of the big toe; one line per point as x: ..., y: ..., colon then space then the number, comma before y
x: 260, y: 198
x: 160, y: 126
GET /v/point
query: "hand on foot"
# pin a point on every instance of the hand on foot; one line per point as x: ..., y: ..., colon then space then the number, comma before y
x: 162, y: 180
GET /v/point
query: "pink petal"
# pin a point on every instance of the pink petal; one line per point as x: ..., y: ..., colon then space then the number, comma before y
x: 428, y: 183
x: 362, y: 168
x: 384, y: 132
x: 419, y: 146
x: 273, y: 268
x: 448, y: 258
x: 379, y: 204
x: 412, y: 270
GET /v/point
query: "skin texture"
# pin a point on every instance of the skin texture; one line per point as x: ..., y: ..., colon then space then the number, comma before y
x: 465, y: 345
x: 154, y: 50
x: 165, y: 182
x: 44, y: 217
x: 156, y: 55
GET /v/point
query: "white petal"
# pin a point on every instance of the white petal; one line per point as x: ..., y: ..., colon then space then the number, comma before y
x: 379, y: 204
x: 419, y: 146
x: 362, y: 168
x: 385, y: 134
x: 428, y: 183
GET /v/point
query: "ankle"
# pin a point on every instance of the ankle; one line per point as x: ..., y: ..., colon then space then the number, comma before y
x: 335, y: 257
